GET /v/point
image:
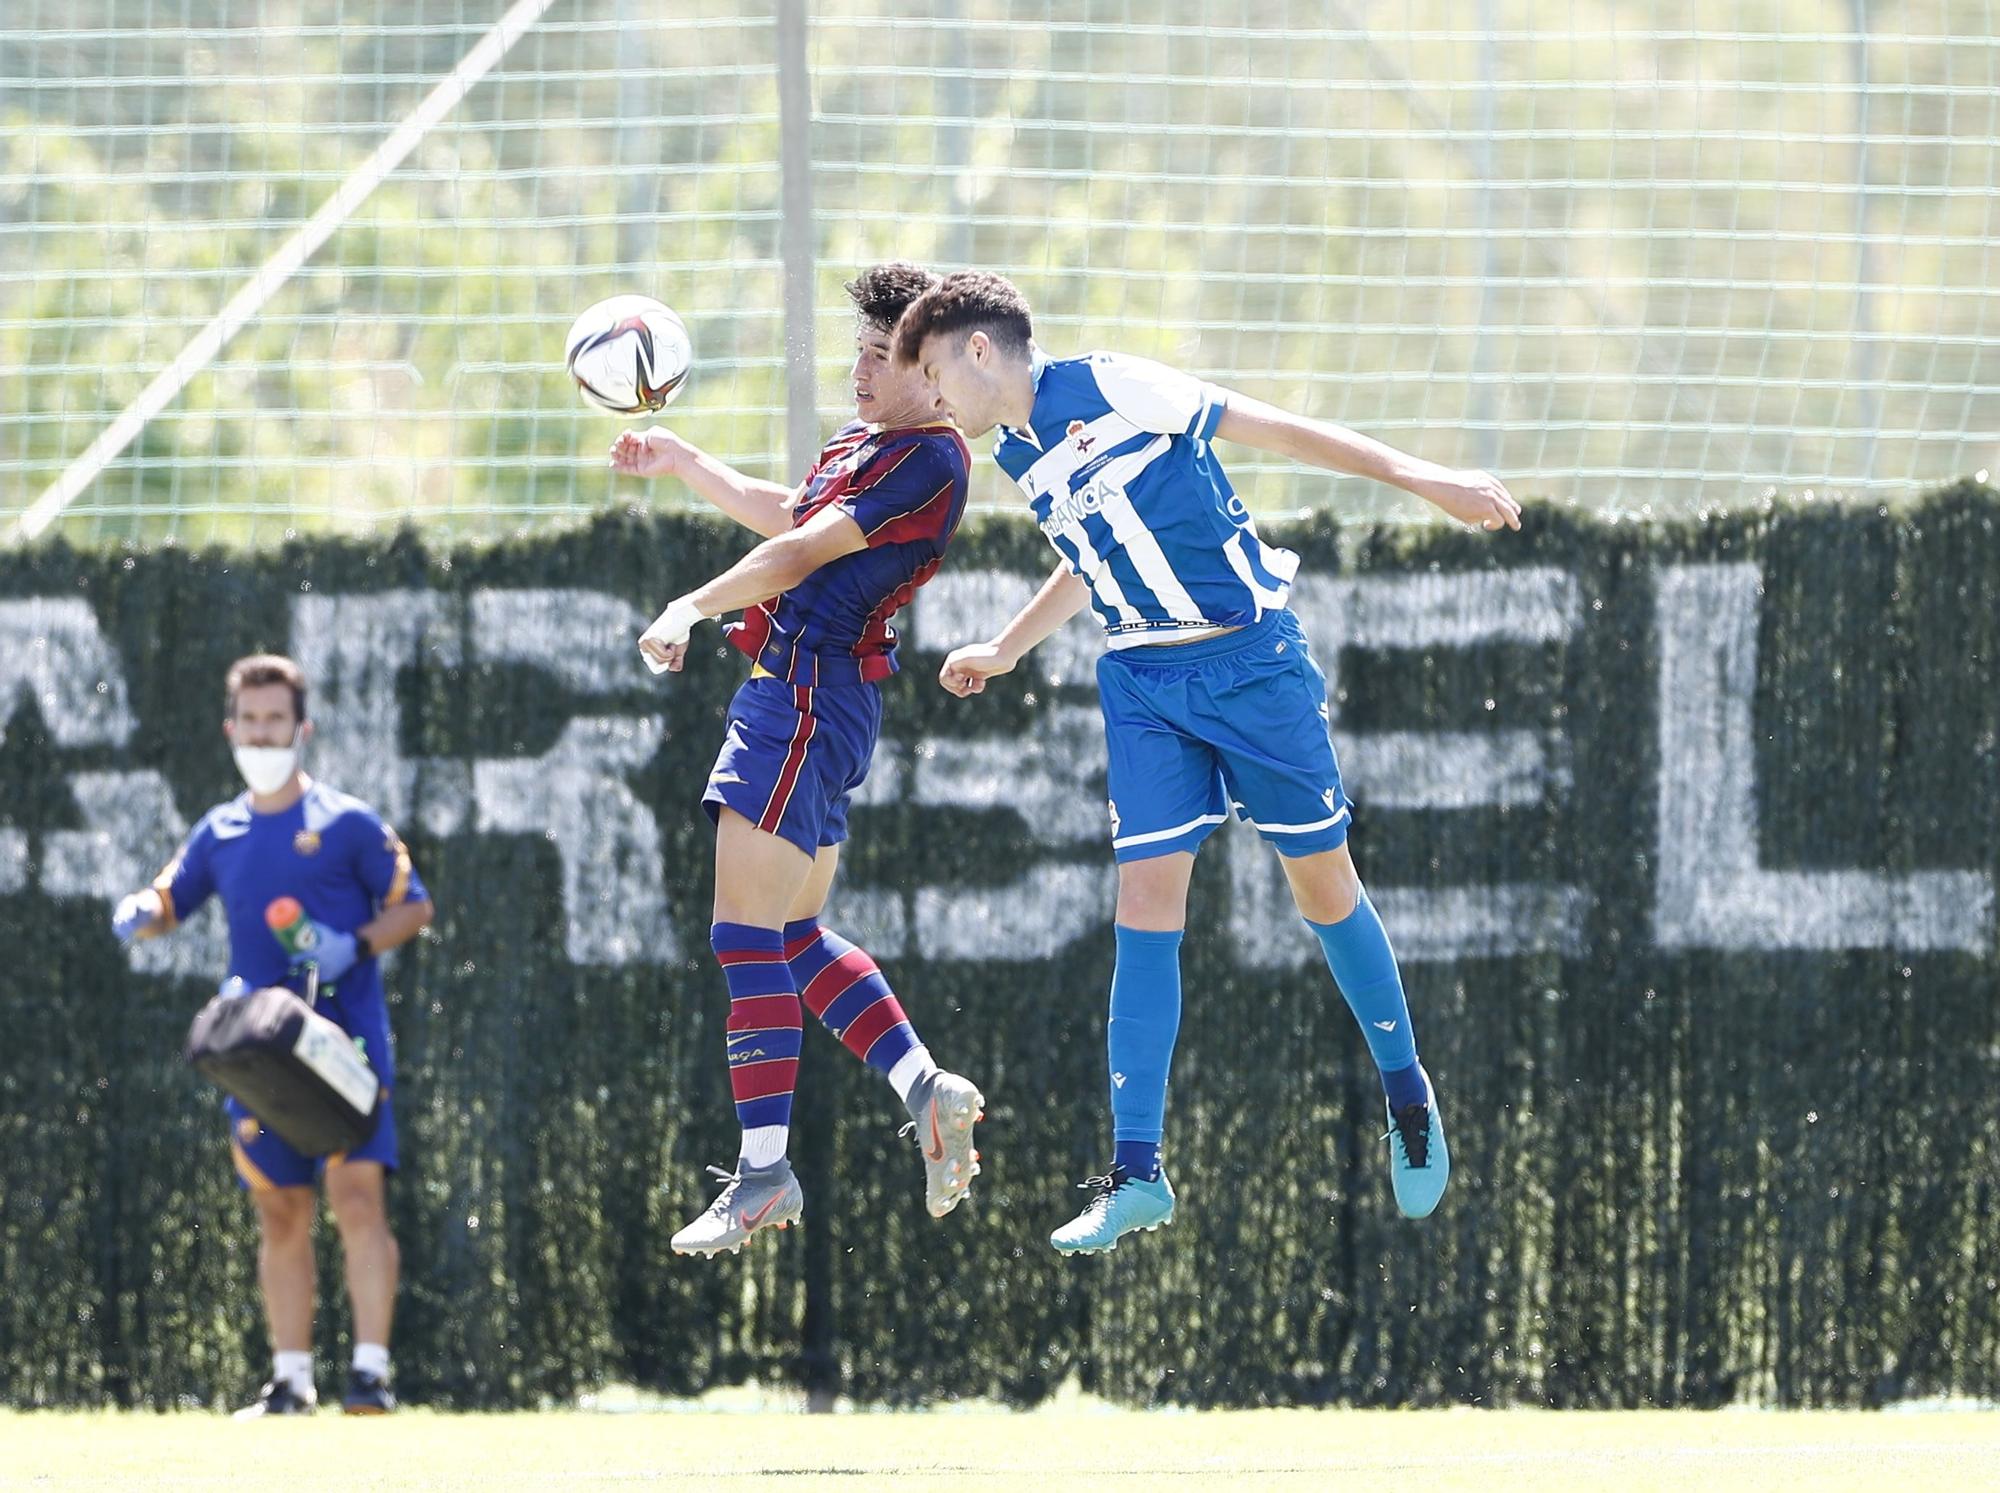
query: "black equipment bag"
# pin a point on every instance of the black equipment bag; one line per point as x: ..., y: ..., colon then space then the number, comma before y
x: 296, y: 1071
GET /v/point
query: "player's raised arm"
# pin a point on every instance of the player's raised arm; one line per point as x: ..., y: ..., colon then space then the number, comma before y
x: 1470, y: 496
x: 1062, y: 596
x: 772, y: 567
x: 763, y: 507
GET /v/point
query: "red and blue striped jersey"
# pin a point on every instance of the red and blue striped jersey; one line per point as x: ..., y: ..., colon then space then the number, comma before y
x: 907, y: 490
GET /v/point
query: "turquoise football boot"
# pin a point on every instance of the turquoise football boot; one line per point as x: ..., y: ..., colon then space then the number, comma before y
x: 1419, y: 1160
x: 1123, y: 1204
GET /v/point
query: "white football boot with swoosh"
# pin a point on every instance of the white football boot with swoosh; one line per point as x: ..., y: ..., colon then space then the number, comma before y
x: 756, y: 1198
x: 943, y: 1109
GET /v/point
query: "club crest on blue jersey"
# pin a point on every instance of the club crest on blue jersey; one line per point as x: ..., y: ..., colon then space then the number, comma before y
x: 306, y: 842
x: 1115, y: 463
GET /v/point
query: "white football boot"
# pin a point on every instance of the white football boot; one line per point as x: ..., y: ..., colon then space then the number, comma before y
x: 943, y: 1109
x: 766, y: 1197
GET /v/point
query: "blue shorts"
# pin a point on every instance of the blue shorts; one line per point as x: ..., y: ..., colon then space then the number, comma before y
x: 793, y: 756
x: 1238, y: 720
x: 264, y: 1161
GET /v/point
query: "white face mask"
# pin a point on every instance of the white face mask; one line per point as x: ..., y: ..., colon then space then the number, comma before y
x: 267, y: 768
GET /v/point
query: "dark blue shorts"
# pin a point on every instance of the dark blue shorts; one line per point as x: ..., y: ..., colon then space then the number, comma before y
x: 263, y: 1160
x: 1238, y: 720
x: 792, y: 757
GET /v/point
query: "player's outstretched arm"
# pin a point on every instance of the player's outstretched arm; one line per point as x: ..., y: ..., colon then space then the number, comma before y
x: 967, y: 669
x: 138, y: 916
x: 763, y: 507
x: 1470, y: 496
x: 773, y: 567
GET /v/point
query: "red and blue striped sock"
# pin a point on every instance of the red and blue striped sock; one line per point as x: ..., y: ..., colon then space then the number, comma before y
x: 844, y: 988
x: 764, y: 1035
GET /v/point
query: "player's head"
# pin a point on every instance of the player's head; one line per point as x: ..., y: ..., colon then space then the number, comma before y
x: 885, y: 393
x: 267, y: 725
x: 970, y: 335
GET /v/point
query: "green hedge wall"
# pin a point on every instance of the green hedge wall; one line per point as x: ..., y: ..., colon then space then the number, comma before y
x: 1687, y: 836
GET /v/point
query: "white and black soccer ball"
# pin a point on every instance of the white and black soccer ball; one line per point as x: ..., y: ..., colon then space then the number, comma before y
x: 628, y: 354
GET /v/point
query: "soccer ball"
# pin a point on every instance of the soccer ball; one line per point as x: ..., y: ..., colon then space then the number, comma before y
x: 629, y: 354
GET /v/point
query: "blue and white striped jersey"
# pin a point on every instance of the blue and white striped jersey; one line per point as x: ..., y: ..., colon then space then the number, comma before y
x: 1116, y: 465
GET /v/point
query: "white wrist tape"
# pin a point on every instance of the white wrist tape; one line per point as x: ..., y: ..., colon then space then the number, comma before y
x: 671, y: 627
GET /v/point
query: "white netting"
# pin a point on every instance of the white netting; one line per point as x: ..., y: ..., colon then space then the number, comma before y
x: 1657, y: 255
x: 156, y: 152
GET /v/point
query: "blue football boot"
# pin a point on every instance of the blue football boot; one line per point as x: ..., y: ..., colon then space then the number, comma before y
x: 279, y: 1398
x: 1419, y: 1160
x: 1123, y: 1204
x: 367, y: 1394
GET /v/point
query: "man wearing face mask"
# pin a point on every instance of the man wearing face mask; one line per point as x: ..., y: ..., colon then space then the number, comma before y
x: 290, y: 836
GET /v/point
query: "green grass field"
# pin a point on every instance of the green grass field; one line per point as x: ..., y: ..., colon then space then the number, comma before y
x: 1773, y: 1452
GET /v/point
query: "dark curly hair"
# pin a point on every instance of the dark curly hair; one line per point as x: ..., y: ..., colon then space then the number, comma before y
x: 968, y: 301
x: 882, y: 293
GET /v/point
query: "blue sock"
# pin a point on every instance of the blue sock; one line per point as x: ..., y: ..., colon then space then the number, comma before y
x: 1145, y: 1019
x: 1140, y: 1158
x: 1364, y: 966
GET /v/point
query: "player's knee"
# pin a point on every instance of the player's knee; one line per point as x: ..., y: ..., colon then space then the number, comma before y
x: 1325, y: 887
x: 285, y: 1214
x: 357, y: 1202
x: 364, y: 1224
x: 1331, y: 904
x: 1152, y: 894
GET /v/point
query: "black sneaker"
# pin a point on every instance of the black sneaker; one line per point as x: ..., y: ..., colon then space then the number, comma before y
x: 367, y: 1394
x: 279, y: 1398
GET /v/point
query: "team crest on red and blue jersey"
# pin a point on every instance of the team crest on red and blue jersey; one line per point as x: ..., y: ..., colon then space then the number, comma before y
x: 906, y: 489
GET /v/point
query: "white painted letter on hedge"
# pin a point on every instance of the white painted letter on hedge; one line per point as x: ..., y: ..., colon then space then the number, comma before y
x: 1710, y: 892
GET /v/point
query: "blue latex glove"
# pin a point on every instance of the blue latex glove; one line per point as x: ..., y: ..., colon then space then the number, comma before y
x: 333, y: 952
x: 133, y: 915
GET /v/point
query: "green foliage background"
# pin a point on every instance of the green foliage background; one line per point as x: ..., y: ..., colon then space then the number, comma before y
x: 1683, y: 1178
